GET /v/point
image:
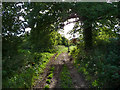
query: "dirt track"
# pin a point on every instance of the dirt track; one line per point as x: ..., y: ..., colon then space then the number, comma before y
x: 77, y: 79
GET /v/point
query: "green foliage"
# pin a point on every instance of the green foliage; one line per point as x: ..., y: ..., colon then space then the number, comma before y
x: 74, y: 52
x: 50, y: 76
x: 11, y: 28
x: 45, y: 21
x: 65, y: 78
x: 26, y: 74
x: 46, y: 86
x: 71, y: 49
x: 64, y: 41
x: 101, y: 65
x: 45, y: 41
x: 89, y: 14
x: 15, y: 62
x: 95, y: 83
x: 19, y: 71
x: 52, y: 68
x: 48, y: 81
x: 10, y: 44
x: 27, y: 55
x: 60, y: 49
x: 25, y: 42
x: 51, y: 72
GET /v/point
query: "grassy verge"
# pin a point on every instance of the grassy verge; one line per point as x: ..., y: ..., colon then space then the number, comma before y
x: 60, y: 49
x: 71, y: 49
x: 23, y: 69
x: 49, y: 77
x: 65, y: 78
x: 24, y: 77
x: 42, y: 64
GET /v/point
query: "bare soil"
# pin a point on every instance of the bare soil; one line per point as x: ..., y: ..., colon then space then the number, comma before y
x: 77, y: 78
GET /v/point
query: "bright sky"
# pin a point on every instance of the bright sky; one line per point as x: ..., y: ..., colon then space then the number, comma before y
x: 67, y: 29
x: 64, y: 32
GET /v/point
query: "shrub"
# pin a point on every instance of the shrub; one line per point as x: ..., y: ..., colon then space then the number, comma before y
x: 46, y: 86
x: 48, y: 81
x: 101, y: 63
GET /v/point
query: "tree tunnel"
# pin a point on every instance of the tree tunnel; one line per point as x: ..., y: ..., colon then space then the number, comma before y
x: 53, y: 15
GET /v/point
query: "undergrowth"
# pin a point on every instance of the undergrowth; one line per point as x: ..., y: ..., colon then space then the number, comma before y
x: 24, y: 76
x: 21, y: 70
x: 49, y: 77
x: 65, y: 78
x: 101, y: 65
x: 60, y: 49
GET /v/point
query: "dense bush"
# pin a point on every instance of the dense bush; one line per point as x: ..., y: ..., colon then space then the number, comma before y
x: 102, y: 62
x: 23, y: 69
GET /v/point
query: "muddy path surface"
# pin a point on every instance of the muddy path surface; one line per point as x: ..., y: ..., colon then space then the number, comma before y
x: 77, y: 78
